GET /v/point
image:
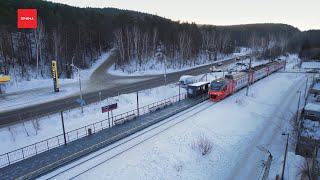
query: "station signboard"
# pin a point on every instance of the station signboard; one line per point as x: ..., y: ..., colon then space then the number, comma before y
x: 109, y: 107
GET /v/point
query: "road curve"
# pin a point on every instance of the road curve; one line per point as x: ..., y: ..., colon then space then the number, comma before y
x: 108, y: 85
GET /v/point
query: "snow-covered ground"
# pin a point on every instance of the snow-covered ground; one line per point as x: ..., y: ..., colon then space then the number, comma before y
x: 234, y: 126
x: 50, y: 125
x: 153, y: 68
x: 231, y: 125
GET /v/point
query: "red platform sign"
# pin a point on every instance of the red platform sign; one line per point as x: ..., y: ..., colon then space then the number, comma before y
x: 27, y: 18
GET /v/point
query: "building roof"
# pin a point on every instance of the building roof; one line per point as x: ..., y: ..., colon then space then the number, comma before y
x: 316, y: 87
x: 199, y: 84
x: 312, y: 107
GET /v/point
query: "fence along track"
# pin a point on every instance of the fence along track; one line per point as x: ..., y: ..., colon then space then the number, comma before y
x: 170, y: 119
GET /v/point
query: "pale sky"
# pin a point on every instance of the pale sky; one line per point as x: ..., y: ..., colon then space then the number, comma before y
x: 303, y: 14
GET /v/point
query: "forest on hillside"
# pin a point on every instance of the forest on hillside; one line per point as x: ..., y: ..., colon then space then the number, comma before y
x: 83, y: 34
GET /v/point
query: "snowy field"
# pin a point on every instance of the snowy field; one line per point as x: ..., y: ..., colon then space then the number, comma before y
x: 234, y: 127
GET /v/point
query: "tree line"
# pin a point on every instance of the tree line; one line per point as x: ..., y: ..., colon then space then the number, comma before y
x: 68, y: 33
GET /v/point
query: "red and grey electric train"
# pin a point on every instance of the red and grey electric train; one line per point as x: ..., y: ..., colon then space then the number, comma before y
x: 222, y: 87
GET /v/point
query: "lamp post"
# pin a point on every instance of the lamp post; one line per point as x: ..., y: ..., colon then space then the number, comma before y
x: 285, y: 155
x: 249, y: 74
x: 165, y: 70
x: 72, y: 63
x: 79, y: 86
x: 298, y: 106
x: 209, y: 52
x: 165, y: 67
x: 268, y: 163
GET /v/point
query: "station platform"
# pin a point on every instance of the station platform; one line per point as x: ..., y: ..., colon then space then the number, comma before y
x: 50, y: 160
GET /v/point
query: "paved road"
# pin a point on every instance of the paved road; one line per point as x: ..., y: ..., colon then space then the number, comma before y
x: 107, y: 84
x: 248, y: 164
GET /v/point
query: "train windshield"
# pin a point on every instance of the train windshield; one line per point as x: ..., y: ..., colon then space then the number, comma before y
x: 217, y: 85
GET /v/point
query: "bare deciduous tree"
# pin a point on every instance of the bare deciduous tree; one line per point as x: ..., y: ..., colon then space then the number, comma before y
x: 38, y: 36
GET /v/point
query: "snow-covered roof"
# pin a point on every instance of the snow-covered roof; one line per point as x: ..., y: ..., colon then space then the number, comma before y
x: 316, y: 86
x: 312, y: 107
x: 310, y: 65
x: 185, y: 77
x: 199, y: 83
x: 311, y: 129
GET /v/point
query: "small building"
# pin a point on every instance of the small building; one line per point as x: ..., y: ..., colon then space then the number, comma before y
x: 197, y: 89
x: 312, y: 111
x: 315, y: 89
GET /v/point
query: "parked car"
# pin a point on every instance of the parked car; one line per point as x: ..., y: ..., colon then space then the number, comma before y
x: 241, y: 64
x: 237, y: 58
x: 185, y: 80
x: 313, y: 71
x: 220, y: 64
x: 214, y: 69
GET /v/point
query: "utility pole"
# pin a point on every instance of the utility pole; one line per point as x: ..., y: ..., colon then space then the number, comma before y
x: 249, y: 74
x: 298, y: 106
x: 179, y: 91
x: 165, y: 70
x: 285, y: 156
x: 64, y: 132
x: 305, y: 90
x: 138, y: 102
x: 79, y: 85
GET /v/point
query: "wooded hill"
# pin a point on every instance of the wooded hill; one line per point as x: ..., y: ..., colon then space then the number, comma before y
x: 64, y: 32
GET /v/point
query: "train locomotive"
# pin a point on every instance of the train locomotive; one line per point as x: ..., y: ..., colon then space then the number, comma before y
x: 225, y: 86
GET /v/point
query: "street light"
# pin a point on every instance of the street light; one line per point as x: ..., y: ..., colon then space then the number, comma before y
x: 81, y: 103
x: 210, y: 57
x: 249, y: 75
x: 285, y: 154
x: 298, y: 106
x: 268, y: 163
x: 165, y: 67
x: 72, y: 63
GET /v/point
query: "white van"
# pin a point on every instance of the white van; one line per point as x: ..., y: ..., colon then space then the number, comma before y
x: 185, y: 80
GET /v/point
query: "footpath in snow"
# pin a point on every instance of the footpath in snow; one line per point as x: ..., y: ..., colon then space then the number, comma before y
x: 231, y: 125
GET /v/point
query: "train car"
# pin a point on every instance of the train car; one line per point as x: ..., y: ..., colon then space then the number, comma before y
x: 260, y: 72
x: 231, y: 83
x: 227, y: 85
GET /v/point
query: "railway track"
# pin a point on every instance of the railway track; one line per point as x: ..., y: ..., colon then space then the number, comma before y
x: 88, y: 163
